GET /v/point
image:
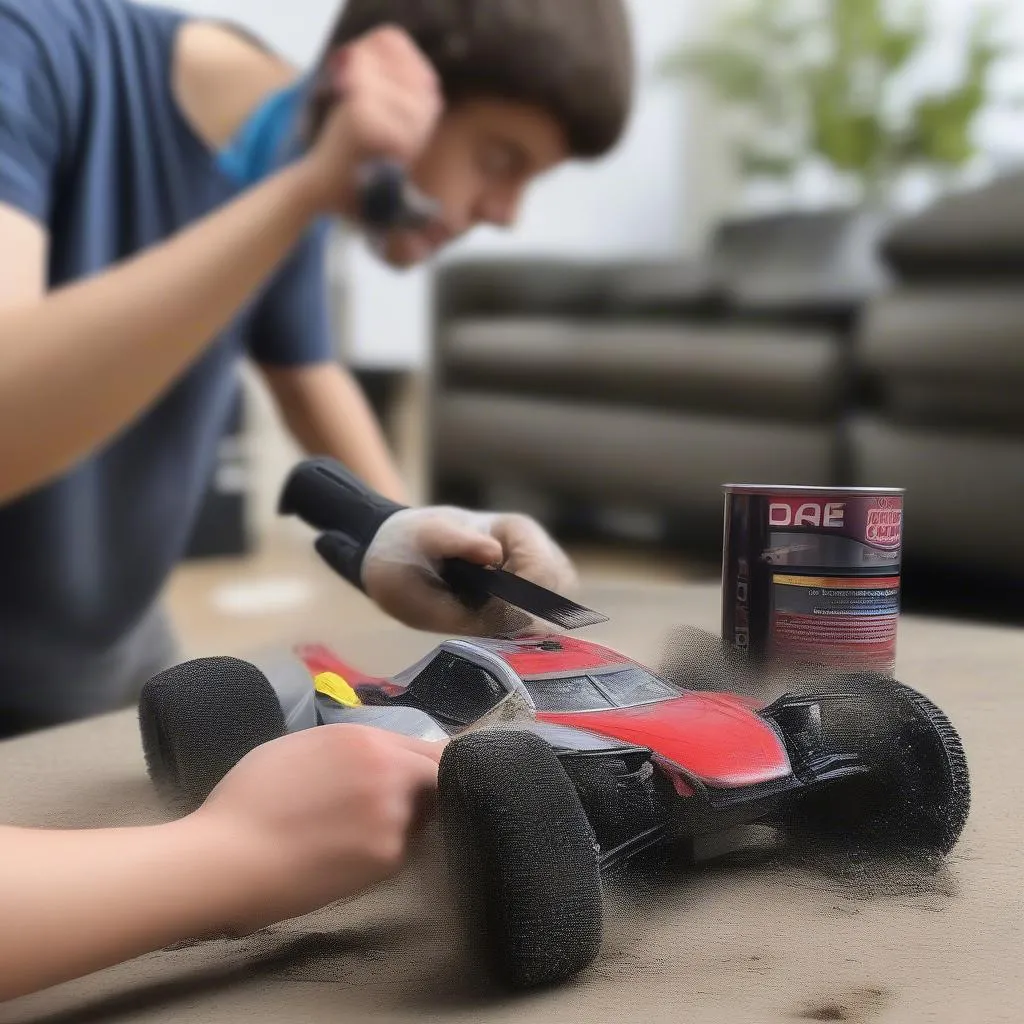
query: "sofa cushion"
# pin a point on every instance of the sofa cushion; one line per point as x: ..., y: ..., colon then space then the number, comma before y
x: 546, y: 286
x: 956, y: 353
x: 967, y: 234
x: 952, y: 403
x: 625, y: 457
x: 820, y: 264
x: 666, y: 288
x: 742, y: 370
x: 961, y: 330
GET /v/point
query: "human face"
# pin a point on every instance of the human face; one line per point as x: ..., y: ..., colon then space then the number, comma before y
x: 482, y: 157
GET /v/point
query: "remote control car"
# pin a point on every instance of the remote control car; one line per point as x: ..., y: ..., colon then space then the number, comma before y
x: 568, y: 759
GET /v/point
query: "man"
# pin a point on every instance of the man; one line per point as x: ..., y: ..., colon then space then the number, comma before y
x: 151, y: 238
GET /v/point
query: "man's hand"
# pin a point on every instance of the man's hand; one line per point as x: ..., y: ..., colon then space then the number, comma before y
x: 321, y: 815
x: 389, y: 102
x: 402, y: 565
x: 327, y: 413
x: 298, y: 824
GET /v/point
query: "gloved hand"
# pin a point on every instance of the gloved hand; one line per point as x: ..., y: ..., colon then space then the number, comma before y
x: 402, y: 564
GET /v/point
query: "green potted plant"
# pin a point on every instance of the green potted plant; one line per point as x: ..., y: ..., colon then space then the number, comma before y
x: 834, y: 87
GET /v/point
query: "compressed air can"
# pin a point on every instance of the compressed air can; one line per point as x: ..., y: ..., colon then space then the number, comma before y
x: 811, y: 575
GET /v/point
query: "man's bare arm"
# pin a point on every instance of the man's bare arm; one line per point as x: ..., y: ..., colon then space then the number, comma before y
x: 78, y: 364
x: 327, y: 413
x: 75, y: 902
x: 260, y: 850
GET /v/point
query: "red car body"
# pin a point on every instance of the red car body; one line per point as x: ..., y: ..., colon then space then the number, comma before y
x: 716, y: 738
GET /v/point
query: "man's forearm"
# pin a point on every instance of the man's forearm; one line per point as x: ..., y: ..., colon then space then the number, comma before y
x: 328, y: 414
x: 82, y: 362
x: 75, y: 902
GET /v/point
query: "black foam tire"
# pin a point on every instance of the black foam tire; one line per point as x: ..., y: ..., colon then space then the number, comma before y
x: 522, y: 858
x: 916, y: 799
x: 199, y: 719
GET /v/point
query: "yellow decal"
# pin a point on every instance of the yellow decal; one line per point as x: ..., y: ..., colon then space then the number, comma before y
x: 332, y: 685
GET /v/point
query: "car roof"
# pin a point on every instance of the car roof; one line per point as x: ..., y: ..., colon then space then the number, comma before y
x: 552, y: 655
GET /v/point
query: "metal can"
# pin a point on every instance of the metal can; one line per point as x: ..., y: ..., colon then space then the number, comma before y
x: 811, y: 575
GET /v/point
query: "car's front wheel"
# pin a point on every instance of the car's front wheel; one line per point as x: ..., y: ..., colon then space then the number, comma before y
x: 198, y: 719
x: 522, y: 857
x: 915, y: 798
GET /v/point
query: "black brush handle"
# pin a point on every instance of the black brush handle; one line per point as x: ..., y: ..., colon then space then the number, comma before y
x: 469, y: 582
x: 387, y: 199
x: 327, y: 496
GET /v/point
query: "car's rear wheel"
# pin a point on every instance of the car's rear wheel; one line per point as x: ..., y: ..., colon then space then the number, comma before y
x: 916, y: 797
x: 522, y: 858
x: 199, y: 719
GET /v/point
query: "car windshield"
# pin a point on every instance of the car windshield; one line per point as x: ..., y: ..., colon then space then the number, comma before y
x: 616, y: 689
x: 635, y: 685
x: 566, y: 693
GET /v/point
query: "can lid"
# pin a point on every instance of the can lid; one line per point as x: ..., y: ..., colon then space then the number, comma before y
x: 764, y: 489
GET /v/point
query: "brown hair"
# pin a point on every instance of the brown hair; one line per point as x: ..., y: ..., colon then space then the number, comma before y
x: 572, y: 58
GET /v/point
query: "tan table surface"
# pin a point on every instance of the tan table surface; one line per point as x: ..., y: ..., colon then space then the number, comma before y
x: 745, y: 939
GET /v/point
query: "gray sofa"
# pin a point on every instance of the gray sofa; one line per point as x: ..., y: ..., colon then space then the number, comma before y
x: 942, y: 355
x: 819, y: 349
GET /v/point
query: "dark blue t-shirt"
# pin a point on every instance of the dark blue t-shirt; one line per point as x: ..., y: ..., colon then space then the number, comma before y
x: 93, y: 145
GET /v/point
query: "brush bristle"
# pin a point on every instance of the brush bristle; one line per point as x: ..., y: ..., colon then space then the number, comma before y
x: 575, y: 617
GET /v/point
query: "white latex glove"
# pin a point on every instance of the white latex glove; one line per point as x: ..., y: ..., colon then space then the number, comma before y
x: 401, y: 568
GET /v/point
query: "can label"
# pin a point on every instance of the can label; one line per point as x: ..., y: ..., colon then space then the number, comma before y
x: 847, y: 619
x: 813, y: 578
